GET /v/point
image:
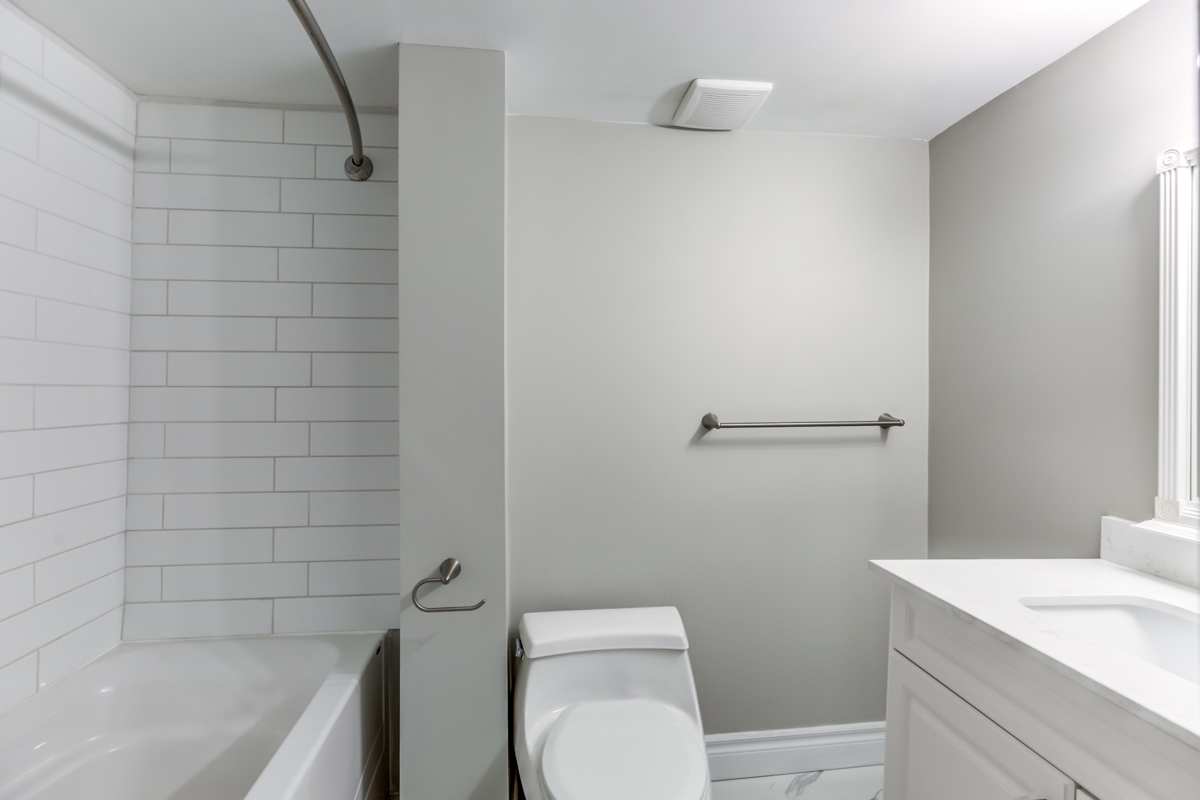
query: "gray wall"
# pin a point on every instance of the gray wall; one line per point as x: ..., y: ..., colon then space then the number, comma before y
x: 453, y: 667
x: 1043, y: 295
x: 657, y: 274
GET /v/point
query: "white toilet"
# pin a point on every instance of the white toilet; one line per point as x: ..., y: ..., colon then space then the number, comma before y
x: 605, y: 707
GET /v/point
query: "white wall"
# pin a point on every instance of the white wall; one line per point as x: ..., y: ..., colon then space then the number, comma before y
x: 66, y: 159
x: 262, y: 471
x: 657, y: 274
x: 1044, y: 295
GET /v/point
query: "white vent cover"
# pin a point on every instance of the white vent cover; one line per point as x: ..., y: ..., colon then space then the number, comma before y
x: 720, y: 105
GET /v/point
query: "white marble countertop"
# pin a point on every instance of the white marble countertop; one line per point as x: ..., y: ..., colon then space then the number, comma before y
x: 985, y: 593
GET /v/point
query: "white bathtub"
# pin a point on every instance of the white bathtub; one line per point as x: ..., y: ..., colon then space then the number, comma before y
x: 264, y: 718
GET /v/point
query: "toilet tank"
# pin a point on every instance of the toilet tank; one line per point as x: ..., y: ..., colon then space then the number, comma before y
x: 607, y: 654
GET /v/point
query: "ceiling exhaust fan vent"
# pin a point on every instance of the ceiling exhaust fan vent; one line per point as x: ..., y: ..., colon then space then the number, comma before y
x: 720, y: 105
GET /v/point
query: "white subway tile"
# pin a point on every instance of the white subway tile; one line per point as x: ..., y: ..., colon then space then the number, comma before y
x: 355, y: 438
x: 36, y: 274
x: 18, y: 132
x: 50, y: 105
x: 204, y: 263
x: 48, y: 191
x: 339, y: 197
x: 152, y: 155
x: 238, y: 369
x: 16, y: 499
x: 59, y: 658
x: 241, y: 299
x: 65, y: 406
x: 42, y: 624
x: 354, y: 577
x: 211, y: 192
x: 337, y: 544
x: 331, y: 163
x: 16, y: 591
x: 20, y: 40
x: 329, y: 127
x: 70, y: 241
x: 339, y: 335
x: 74, y: 568
x: 149, y: 297
x: 197, y: 619
x: 336, y: 405
x: 82, y: 164
x: 310, y: 614
x: 339, y: 266
x: 242, y: 510
x: 181, y: 121
x: 143, y: 584
x: 259, y: 229
x: 147, y: 440
x: 67, y: 323
x: 150, y: 226
x: 27, y: 452
x: 187, y: 475
x: 354, y: 508
x: 78, y: 486
x: 41, y: 537
x: 350, y: 231
x: 356, y: 369
x: 18, y: 680
x: 16, y: 408
x: 337, y: 473
x: 18, y: 223
x: 18, y: 316
x: 355, y: 300
x: 201, y: 405
x: 223, y: 546
x: 200, y: 157
x: 89, y: 87
x: 147, y: 369
x: 31, y: 362
x: 234, y: 581
x: 144, y: 512
x: 230, y: 439
x: 202, y: 333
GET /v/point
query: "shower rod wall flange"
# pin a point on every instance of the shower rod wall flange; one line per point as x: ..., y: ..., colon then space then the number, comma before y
x: 358, y: 166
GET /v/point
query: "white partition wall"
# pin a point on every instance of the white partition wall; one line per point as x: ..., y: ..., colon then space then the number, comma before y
x: 453, y: 713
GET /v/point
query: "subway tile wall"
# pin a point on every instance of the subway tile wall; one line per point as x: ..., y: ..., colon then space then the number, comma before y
x: 66, y: 189
x: 263, y: 403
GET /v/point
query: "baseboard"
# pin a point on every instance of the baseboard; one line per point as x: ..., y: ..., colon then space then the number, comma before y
x: 754, y: 753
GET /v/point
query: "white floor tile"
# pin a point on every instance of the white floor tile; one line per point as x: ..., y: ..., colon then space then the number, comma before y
x: 859, y: 783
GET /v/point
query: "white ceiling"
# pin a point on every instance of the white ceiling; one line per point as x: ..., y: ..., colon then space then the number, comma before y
x: 906, y: 68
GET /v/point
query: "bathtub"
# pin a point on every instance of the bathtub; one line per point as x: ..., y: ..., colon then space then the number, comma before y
x: 263, y: 718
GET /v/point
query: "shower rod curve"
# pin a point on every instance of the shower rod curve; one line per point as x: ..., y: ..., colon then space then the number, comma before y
x: 358, y: 166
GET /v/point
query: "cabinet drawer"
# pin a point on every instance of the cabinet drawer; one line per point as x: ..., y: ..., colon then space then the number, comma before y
x: 939, y: 747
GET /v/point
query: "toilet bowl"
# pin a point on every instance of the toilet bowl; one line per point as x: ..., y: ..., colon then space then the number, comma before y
x: 605, y: 707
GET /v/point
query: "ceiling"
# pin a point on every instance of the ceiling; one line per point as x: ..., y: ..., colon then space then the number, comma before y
x: 903, y: 68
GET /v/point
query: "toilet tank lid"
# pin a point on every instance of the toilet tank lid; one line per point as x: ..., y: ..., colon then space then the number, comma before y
x: 553, y: 633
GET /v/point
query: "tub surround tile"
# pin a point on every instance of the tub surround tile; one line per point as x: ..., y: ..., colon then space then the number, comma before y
x: 18, y: 680
x: 197, y: 619
x: 84, y: 644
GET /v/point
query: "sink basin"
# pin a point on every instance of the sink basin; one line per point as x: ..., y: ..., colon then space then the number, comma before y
x: 1164, y: 635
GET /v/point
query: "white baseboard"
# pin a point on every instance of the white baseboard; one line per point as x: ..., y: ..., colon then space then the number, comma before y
x: 754, y: 753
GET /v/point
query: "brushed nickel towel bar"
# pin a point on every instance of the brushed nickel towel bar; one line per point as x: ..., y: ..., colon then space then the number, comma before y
x: 885, y: 421
x: 449, y: 570
x: 358, y: 166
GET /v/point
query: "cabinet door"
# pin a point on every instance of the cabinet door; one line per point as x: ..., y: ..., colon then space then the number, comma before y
x: 940, y: 748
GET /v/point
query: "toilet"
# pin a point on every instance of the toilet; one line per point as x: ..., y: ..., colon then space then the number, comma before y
x: 605, y: 707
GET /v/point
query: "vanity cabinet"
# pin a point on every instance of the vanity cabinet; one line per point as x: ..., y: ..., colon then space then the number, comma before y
x: 971, y: 715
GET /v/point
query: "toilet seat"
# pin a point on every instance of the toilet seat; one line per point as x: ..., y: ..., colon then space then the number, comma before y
x: 626, y: 750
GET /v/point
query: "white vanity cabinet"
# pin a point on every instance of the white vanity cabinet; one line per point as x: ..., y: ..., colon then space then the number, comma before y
x: 973, y: 716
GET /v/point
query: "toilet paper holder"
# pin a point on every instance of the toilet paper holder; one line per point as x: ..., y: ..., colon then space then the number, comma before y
x: 450, y: 569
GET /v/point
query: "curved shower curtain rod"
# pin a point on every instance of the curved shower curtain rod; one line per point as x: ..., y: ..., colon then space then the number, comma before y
x: 358, y: 166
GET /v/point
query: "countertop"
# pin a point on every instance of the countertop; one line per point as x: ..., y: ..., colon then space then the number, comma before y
x: 985, y: 593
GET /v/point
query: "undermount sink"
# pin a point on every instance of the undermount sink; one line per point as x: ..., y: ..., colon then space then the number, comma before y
x: 1164, y: 635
